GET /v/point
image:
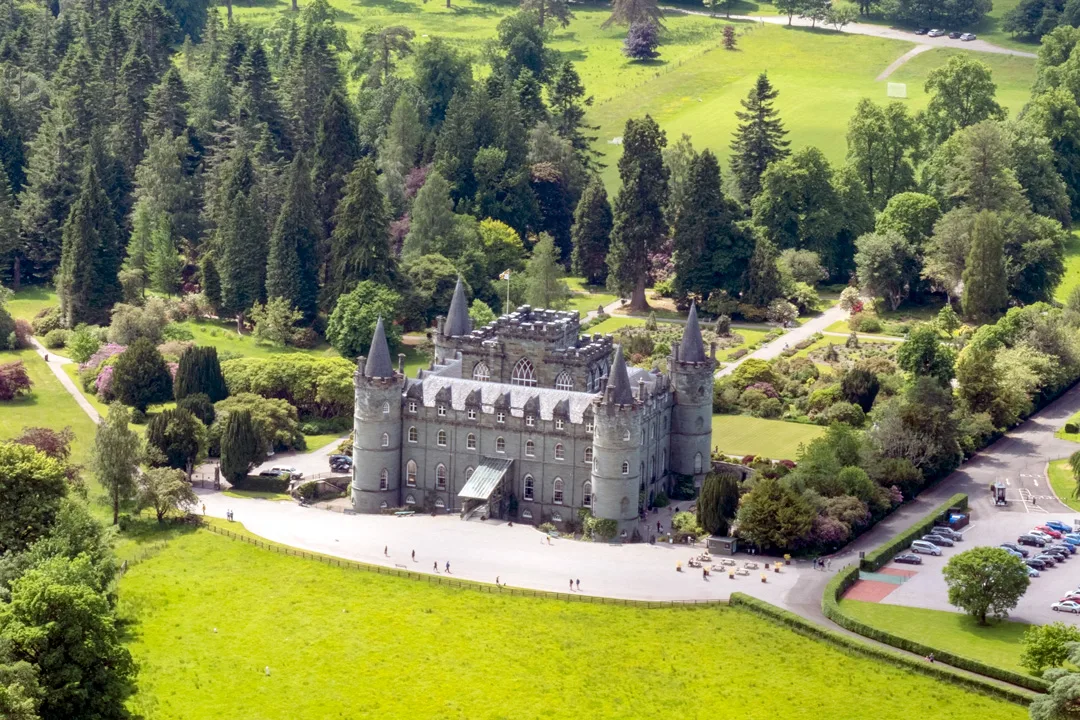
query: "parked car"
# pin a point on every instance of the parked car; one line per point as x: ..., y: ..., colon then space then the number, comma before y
x: 1050, y: 560
x: 1032, y: 540
x: 922, y: 31
x: 1061, y: 555
x: 938, y: 540
x: 1059, y: 526
x: 948, y: 532
x: 1017, y: 548
x: 1049, y: 531
x: 935, y: 33
x: 1035, y: 563
x: 1032, y: 572
x: 955, y: 35
x: 1041, y: 535
x: 1071, y: 549
x: 908, y: 559
x: 271, y: 473
x: 1067, y: 606
x: 928, y: 548
x: 1070, y: 540
x: 292, y: 472
x: 1073, y: 535
x: 340, y: 463
x: 1071, y: 597
x: 1012, y: 552
x: 967, y: 37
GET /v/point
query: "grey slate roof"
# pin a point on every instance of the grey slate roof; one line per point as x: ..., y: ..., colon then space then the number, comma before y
x: 458, y: 321
x: 485, y: 478
x: 499, y: 395
x: 619, y: 381
x: 692, y: 347
x: 378, y: 361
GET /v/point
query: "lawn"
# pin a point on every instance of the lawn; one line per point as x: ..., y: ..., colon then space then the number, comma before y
x: 613, y: 324
x: 997, y: 644
x: 48, y: 406
x: 745, y: 435
x: 1071, y: 279
x: 258, y: 495
x: 224, y: 337
x: 1074, y: 437
x: 211, y: 613
x: 29, y: 300
x: 586, y: 298
x: 1063, y: 484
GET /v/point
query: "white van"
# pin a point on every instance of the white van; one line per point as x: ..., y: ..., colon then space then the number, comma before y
x: 922, y: 546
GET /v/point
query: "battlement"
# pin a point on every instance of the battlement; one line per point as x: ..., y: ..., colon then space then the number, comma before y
x: 558, y: 329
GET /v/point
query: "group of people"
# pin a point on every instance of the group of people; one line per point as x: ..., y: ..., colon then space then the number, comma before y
x: 434, y: 568
x: 822, y: 564
x: 229, y: 515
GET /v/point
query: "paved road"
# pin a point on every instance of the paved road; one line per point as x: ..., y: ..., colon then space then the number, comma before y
x: 880, y: 31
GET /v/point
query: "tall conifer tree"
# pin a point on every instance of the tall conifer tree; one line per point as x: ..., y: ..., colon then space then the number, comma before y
x: 762, y: 275
x: 985, y: 287
x: 759, y: 139
x: 243, y: 258
x: 591, y: 233
x: 292, y: 265
x: 360, y: 245
x: 336, y: 151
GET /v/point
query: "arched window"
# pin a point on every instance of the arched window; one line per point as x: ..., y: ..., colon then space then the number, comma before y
x: 530, y: 448
x: 383, y: 505
x: 470, y: 442
x: 527, y: 514
x: 559, y: 453
x: 480, y: 371
x: 586, y: 495
x: 557, y: 492
x: 588, y: 456
x: 625, y: 468
x: 410, y: 500
x: 500, y: 445
x: 385, y: 440
x: 410, y: 473
x: 530, y: 488
x: 384, y: 479
x: 440, y: 477
x: 556, y: 517
x: 413, y: 435
x: 624, y: 506
x: 440, y: 503
x: 468, y: 472
x: 565, y: 381
x: 524, y: 373
x: 663, y: 458
x: 699, y: 423
x: 440, y: 439
x: 386, y: 408
x: 626, y: 436
x: 697, y: 463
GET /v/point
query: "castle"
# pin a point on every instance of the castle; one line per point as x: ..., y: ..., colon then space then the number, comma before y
x: 526, y: 419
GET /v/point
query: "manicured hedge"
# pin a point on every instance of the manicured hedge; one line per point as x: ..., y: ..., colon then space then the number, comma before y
x: 883, y: 554
x: 259, y: 483
x: 935, y: 670
x: 834, y: 591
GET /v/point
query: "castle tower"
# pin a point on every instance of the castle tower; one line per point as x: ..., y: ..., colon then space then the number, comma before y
x: 691, y: 373
x: 456, y: 323
x: 377, y: 429
x: 616, y: 470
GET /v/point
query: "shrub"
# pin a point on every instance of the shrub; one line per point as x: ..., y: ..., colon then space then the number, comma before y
x: 844, y: 412
x: 200, y: 371
x: 261, y: 483
x: 276, y: 423
x: 305, y: 338
x: 140, y: 376
x: 200, y: 406
x: 661, y: 500
x: 56, y: 339
x: 14, y: 380
x: 1072, y: 428
x: 878, y: 557
x: 176, y: 331
x: 317, y: 386
x: 129, y: 323
x: 823, y: 398
x: 83, y: 343
x: 723, y: 326
x: 173, y: 350
x: 241, y: 447
x: 23, y: 332
x: 8, y: 338
x: 547, y: 527
x: 47, y: 320
x: 865, y: 322
x: 138, y: 417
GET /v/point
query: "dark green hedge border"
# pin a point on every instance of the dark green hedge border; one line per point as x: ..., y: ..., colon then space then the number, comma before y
x: 830, y: 606
x: 844, y: 642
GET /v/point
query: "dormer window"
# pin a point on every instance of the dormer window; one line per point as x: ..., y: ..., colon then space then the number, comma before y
x: 472, y: 413
x: 530, y: 420
x: 412, y: 406
x: 442, y: 411
x: 559, y: 423
x: 500, y: 416
x: 589, y: 427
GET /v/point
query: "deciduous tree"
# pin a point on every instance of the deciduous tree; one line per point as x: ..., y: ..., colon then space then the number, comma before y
x: 165, y: 491
x: 985, y: 581
x: 115, y: 457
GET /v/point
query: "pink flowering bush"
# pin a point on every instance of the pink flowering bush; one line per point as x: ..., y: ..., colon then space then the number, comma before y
x: 765, y: 388
x: 103, y: 384
x: 104, y: 353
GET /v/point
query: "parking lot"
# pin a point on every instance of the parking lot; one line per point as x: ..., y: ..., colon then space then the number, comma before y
x: 926, y: 588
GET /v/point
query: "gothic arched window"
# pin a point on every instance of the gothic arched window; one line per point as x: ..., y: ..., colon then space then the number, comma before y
x: 697, y: 463
x: 524, y: 373
x: 480, y: 371
x: 385, y: 440
x: 564, y: 381
x: 384, y: 479
x: 557, y: 494
x: 530, y: 488
x: 410, y: 473
x: 588, y: 456
x: 559, y: 454
x: 586, y: 495
x: 440, y: 477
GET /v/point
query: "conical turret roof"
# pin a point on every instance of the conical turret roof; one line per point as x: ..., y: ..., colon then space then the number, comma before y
x: 378, y: 361
x: 692, y: 347
x: 458, y: 321
x: 618, y: 384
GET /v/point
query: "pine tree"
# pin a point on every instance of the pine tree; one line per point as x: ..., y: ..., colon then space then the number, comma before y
x: 985, y: 288
x: 431, y: 219
x: 336, y: 151
x: 199, y: 371
x: 163, y: 186
x: 360, y: 245
x: 544, y: 283
x: 711, y: 250
x: 591, y: 233
x: 312, y: 76
x: 167, y: 106
x: 398, y: 150
x: 257, y: 97
x: 136, y: 80
x: 164, y: 263
x: 292, y: 265
x: 10, y: 247
x: 240, y: 446
x: 762, y: 275
x: 759, y: 139
x: 140, y: 247
x: 211, y: 281
x: 639, y: 225
x: 87, y: 281
x: 243, y: 258
x: 12, y: 145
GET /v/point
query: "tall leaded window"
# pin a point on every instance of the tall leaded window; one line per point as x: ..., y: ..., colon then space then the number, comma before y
x: 559, y: 453
x: 557, y: 492
x: 481, y: 371
x: 697, y: 462
x: 440, y: 477
x: 565, y: 381
x: 384, y: 479
x: 386, y: 408
x: 586, y: 495
x: 588, y: 456
x: 413, y: 434
x: 500, y: 445
x: 530, y: 488
x: 530, y: 448
x: 385, y: 440
x: 524, y: 373
x: 410, y: 473
x: 470, y: 442
x: 441, y: 438
x: 625, y: 468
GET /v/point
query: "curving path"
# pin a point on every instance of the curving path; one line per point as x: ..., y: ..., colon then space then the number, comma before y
x: 895, y: 65
x: 881, y: 31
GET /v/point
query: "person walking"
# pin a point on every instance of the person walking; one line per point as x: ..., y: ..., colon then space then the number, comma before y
x: 447, y: 567
x: 204, y: 508
x: 386, y: 550
x: 579, y: 584
x: 436, y: 568
x: 496, y: 581
x: 571, y: 585
x: 414, y: 556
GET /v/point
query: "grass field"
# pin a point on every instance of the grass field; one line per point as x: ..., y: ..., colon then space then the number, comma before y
x: 346, y: 644
x: 997, y: 644
x: 48, y: 406
x: 1061, y: 480
x: 745, y: 435
x: 29, y: 300
x: 1071, y: 279
x: 587, y: 298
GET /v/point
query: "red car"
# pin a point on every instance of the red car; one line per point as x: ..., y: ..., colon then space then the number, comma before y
x: 1071, y: 596
x: 1049, y: 531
